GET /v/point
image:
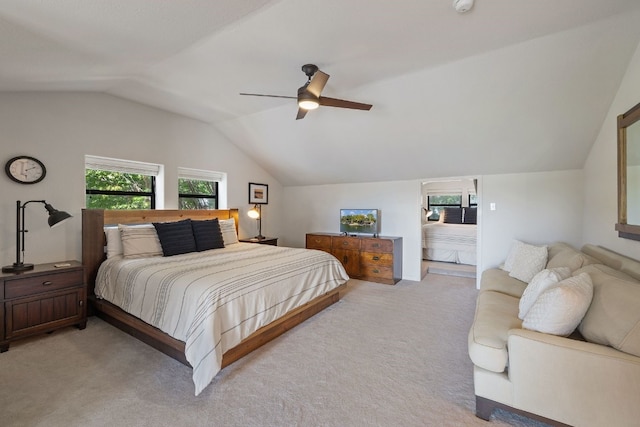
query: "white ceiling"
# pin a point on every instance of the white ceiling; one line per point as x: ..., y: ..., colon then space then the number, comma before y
x: 511, y: 86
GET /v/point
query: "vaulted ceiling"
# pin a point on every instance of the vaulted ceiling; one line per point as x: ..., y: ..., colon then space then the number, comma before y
x: 510, y: 86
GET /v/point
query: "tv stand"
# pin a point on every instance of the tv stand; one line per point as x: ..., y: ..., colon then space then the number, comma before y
x: 376, y: 259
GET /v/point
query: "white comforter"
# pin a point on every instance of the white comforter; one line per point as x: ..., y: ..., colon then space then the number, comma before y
x: 449, y: 242
x: 213, y: 300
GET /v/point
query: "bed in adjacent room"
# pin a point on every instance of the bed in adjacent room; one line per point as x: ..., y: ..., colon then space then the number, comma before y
x: 453, y: 238
x: 209, y: 306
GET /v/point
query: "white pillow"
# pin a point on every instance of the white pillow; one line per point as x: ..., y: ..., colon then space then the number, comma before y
x: 508, y: 263
x: 528, y: 261
x: 540, y: 283
x: 114, y: 242
x: 139, y: 242
x: 560, y: 309
x: 228, y: 229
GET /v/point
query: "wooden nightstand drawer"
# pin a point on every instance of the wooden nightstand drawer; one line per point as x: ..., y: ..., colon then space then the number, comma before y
x: 376, y: 271
x: 344, y: 242
x: 34, y: 285
x: 377, y: 245
x: 315, y: 241
x: 376, y: 258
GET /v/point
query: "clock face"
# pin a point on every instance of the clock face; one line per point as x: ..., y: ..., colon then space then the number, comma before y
x: 25, y: 170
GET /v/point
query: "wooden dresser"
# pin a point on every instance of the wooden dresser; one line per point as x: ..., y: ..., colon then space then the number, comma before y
x: 41, y: 300
x: 376, y: 259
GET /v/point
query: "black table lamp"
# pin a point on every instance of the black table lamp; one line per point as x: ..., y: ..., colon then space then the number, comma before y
x: 55, y: 217
x: 256, y: 213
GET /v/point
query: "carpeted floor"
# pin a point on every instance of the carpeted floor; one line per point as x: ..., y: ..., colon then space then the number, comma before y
x: 383, y: 356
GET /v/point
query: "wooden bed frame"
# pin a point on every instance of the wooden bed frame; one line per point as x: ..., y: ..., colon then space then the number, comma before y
x: 93, y: 254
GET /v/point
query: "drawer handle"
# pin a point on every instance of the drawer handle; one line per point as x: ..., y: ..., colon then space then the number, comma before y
x: 376, y: 271
x: 376, y: 245
x: 81, y: 303
x: 376, y: 258
x: 47, y: 283
x: 345, y: 243
x: 317, y: 240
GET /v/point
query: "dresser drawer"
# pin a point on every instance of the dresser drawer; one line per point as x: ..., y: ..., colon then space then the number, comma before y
x: 377, y: 245
x: 37, y: 284
x: 376, y: 258
x: 345, y: 242
x: 315, y: 241
x: 376, y: 271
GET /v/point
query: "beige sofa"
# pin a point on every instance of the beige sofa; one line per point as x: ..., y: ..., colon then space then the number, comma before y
x: 590, y: 381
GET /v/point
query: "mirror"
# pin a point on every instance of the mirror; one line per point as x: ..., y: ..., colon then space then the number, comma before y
x: 628, y: 225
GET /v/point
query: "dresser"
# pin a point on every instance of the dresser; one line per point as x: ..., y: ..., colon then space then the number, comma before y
x: 375, y: 259
x: 41, y: 300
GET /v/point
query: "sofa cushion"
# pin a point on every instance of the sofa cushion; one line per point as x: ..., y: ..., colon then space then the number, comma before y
x: 497, y: 280
x: 614, y: 316
x: 496, y: 314
x: 540, y: 283
x: 564, y: 255
x: 560, y: 308
x: 528, y: 261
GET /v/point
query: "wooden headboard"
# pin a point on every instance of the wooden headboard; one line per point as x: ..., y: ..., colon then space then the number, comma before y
x: 94, y: 240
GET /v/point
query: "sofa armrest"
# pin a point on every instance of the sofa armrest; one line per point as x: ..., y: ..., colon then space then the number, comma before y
x: 575, y: 382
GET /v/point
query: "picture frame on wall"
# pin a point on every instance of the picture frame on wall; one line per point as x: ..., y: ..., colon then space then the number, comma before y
x: 258, y: 194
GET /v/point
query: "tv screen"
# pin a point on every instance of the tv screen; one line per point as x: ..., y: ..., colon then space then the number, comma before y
x: 359, y: 221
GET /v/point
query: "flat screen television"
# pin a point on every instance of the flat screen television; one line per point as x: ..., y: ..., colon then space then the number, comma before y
x: 360, y: 221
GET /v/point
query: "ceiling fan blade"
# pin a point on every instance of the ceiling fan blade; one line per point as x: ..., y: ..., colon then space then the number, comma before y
x: 341, y: 103
x: 301, y: 113
x: 317, y: 82
x: 269, y: 96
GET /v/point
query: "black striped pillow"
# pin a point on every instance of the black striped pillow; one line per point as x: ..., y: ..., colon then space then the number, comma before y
x: 207, y: 234
x: 176, y: 237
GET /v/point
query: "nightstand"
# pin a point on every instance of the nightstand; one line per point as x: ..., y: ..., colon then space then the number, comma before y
x: 273, y: 241
x: 41, y: 300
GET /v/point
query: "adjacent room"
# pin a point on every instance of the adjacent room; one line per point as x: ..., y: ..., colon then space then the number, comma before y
x: 337, y: 213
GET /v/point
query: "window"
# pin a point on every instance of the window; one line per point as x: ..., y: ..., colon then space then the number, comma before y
x: 198, y: 189
x: 438, y: 203
x: 120, y: 184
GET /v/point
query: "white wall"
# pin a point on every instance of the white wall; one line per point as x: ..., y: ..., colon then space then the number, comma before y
x: 537, y: 208
x: 317, y: 209
x: 600, y: 172
x: 61, y: 128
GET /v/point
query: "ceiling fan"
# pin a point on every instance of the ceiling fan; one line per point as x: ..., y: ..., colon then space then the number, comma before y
x: 309, y: 95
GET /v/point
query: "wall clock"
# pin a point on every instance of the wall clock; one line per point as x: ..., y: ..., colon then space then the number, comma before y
x: 25, y: 170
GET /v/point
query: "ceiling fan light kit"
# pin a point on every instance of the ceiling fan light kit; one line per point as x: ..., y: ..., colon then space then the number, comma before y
x: 309, y: 95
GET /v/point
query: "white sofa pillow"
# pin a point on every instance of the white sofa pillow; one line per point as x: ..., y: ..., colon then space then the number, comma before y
x: 508, y: 262
x: 528, y: 261
x: 114, y: 240
x: 540, y: 283
x: 560, y: 309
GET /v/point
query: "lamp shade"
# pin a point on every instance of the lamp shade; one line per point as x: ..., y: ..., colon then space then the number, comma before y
x: 55, y: 216
x: 254, y: 213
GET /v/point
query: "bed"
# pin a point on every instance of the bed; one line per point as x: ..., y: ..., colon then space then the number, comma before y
x: 453, y: 238
x: 206, y: 309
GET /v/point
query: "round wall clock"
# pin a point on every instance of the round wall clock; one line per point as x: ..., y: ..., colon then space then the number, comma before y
x: 25, y: 170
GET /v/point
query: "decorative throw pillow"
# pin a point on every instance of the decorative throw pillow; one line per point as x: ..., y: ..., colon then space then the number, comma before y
x: 207, y: 234
x: 528, y: 261
x: 511, y: 256
x: 228, y: 229
x: 470, y: 216
x: 176, y: 237
x: 139, y: 242
x: 453, y: 215
x: 540, y: 283
x: 560, y: 308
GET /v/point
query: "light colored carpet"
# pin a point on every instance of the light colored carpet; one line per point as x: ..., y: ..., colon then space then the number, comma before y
x: 383, y: 356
